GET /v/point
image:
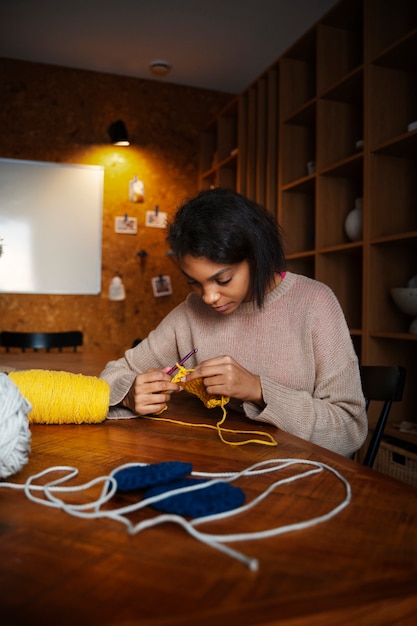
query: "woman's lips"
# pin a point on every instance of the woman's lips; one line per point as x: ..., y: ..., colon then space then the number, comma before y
x: 222, y: 308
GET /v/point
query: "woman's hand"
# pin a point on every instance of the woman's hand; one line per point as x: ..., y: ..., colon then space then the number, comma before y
x: 223, y: 376
x: 150, y: 392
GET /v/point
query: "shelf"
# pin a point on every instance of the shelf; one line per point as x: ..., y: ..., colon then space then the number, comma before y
x: 348, y: 89
x: 341, y: 269
x: 395, y: 336
x: 298, y: 74
x: 302, y: 264
x: 391, y: 264
x: 340, y: 127
x: 219, y: 150
x: 403, y: 145
x: 301, y: 185
x: 393, y: 205
x: 392, y: 107
x: 339, y: 48
x: 351, y: 167
x: 304, y: 115
x: 328, y: 124
x: 401, y: 55
x: 389, y: 26
x: 395, y: 239
x: 229, y: 161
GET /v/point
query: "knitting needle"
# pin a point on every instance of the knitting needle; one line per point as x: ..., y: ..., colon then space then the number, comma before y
x: 183, y: 360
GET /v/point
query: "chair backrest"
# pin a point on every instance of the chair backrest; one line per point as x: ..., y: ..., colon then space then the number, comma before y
x: 383, y: 383
x: 41, y: 341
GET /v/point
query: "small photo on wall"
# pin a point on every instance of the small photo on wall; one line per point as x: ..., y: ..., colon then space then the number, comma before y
x: 161, y: 286
x: 126, y: 225
x: 155, y: 219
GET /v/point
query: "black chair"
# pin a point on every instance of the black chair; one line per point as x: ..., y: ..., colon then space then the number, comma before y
x: 382, y: 383
x: 41, y: 341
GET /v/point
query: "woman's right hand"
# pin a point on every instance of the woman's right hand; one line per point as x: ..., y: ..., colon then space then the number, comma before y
x: 150, y: 392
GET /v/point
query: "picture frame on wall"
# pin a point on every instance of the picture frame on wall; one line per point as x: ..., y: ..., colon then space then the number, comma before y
x: 126, y: 225
x: 161, y: 286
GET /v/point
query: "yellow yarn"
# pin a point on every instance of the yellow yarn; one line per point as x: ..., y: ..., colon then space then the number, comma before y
x: 197, y: 388
x: 63, y: 397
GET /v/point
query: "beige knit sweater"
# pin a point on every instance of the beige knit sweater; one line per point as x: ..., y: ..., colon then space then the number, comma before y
x: 299, y: 344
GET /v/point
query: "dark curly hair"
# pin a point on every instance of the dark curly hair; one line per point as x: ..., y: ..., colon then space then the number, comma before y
x: 226, y: 227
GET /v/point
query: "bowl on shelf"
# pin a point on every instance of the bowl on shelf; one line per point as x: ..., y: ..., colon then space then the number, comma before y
x: 406, y: 300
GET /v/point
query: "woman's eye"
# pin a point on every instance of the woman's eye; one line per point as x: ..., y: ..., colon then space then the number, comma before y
x: 224, y: 282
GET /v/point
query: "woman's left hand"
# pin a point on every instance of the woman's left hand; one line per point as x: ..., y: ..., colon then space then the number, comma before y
x: 223, y: 376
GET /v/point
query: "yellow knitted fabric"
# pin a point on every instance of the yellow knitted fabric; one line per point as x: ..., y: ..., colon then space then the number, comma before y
x: 197, y: 387
x: 63, y: 397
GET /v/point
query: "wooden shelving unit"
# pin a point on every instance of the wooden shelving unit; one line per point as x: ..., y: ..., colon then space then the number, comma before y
x: 326, y: 124
x: 219, y: 151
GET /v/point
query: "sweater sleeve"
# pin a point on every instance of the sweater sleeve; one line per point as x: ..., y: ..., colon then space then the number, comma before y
x: 332, y: 415
x: 162, y: 348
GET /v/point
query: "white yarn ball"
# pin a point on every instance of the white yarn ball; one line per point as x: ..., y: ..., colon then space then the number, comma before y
x: 14, y: 428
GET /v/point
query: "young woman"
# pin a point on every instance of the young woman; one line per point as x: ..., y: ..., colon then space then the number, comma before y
x: 276, y: 342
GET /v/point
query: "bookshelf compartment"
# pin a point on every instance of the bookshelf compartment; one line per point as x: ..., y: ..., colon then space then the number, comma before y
x: 393, y: 205
x: 342, y: 271
x: 392, y: 264
x: 298, y: 75
x: 336, y: 197
x: 207, y: 149
x: 401, y: 55
x: 297, y: 219
x: 392, y: 103
x: 208, y: 180
x: 219, y: 147
x: 227, y: 175
x: 298, y: 149
x: 304, y: 265
x: 339, y: 52
x: 388, y: 24
x: 339, y: 127
x: 349, y: 89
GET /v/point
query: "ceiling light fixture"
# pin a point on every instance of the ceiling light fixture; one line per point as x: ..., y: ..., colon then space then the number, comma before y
x: 118, y: 134
x: 160, y: 68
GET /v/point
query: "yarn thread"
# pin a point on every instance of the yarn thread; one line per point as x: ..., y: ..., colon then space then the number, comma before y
x: 15, y: 435
x: 197, y: 388
x: 63, y: 397
x: 98, y: 509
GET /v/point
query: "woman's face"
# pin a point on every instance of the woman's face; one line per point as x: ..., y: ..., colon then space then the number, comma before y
x: 221, y: 286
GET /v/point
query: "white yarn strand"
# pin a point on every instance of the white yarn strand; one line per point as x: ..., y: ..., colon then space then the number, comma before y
x: 93, y: 510
x: 14, y: 428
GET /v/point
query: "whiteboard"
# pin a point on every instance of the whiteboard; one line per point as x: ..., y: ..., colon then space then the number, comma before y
x: 51, y: 227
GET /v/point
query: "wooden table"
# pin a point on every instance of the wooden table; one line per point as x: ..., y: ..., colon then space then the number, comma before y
x: 89, y: 363
x: 358, y: 568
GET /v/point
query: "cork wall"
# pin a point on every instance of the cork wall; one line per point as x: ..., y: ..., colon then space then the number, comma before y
x: 62, y: 115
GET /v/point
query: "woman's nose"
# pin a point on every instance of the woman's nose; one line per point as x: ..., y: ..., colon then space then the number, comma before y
x: 210, y: 295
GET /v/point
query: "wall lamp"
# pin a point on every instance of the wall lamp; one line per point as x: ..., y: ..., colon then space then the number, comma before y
x: 118, y: 134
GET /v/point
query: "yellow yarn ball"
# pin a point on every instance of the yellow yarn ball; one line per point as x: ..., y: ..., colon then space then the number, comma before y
x: 63, y: 397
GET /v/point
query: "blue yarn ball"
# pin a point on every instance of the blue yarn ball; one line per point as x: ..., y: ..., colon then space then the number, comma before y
x: 143, y: 476
x: 216, y: 498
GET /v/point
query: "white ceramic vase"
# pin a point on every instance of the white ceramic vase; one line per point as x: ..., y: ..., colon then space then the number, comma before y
x: 353, y: 222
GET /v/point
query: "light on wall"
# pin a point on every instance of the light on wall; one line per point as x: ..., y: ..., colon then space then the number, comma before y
x: 118, y: 134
